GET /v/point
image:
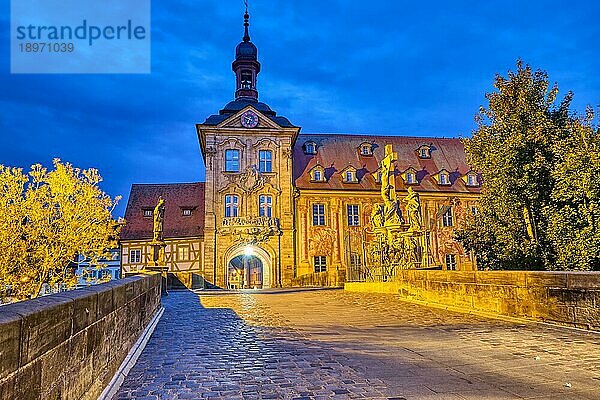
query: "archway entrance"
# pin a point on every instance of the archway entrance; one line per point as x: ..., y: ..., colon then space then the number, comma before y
x: 245, y: 272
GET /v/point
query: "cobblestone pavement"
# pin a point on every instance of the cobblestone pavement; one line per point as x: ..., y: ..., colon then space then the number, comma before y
x: 331, y: 344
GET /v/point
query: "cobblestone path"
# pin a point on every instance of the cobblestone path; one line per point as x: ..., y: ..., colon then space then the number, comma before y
x: 331, y: 344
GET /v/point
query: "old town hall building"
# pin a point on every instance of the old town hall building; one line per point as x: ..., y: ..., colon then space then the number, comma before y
x: 278, y: 205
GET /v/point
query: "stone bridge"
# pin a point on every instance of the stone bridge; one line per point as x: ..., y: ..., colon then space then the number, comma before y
x: 283, y: 344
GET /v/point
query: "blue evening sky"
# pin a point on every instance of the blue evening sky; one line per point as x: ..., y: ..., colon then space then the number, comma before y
x: 380, y: 67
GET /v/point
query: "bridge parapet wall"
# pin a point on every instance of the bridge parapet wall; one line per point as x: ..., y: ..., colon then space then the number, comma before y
x: 568, y: 298
x: 69, y: 345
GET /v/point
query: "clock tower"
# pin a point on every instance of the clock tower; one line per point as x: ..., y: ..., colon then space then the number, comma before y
x: 249, y: 196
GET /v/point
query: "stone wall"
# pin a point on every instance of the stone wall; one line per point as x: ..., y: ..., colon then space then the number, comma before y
x: 570, y: 298
x: 321, y: 279
x: 69, y: 345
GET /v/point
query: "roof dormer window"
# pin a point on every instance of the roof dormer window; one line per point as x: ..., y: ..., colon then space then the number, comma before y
x: 472, y: 179
x: 350, y: 176
x: 310, y: 148
x: 317, y: 174
x: 424, y: 151
x: 186, y: 212
x: 365, y: 149
x: 148, y: 212
x: 410, y: 176
x: 444, y: 178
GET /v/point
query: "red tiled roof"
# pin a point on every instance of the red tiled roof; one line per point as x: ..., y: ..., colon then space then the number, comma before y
x: 336, y: 152
x: 177, y: 196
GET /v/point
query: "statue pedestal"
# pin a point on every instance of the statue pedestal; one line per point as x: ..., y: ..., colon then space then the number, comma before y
x: 163, y: 269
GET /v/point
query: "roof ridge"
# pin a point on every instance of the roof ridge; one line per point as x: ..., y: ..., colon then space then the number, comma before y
x: 366, y: 135
x: 168, y: 184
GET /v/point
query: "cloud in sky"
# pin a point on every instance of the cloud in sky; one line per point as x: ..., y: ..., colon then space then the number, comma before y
x: 380, y: 67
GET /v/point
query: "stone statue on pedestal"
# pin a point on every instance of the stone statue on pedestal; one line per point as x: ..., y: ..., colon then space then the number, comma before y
x: 158, y: 243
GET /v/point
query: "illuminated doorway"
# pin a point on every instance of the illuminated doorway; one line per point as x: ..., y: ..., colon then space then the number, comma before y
x: 245, y: 272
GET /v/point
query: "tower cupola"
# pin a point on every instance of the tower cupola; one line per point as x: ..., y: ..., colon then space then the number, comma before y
x: 246, y: 66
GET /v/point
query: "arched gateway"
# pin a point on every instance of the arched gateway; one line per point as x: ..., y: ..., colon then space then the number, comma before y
x: 248, y: 267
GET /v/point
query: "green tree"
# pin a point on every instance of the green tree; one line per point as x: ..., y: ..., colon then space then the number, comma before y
x: 46, y: 219
x: 574, y: 212
x: 513, y: 147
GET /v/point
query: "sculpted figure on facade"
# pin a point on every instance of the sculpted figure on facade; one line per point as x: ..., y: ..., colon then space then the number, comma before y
x: 413, y: 210
x: 251, y: 179
x: 392, y: 214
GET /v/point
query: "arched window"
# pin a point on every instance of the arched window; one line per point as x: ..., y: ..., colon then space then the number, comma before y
x: 444, y: 178
x: 310, y: 148
x: 472, y: 180
x: 350, y: 176
x: 231, y: 205
x: 317, y: 174
x: 265, y: 206
x: 265, y: 161
x: 246, y: 79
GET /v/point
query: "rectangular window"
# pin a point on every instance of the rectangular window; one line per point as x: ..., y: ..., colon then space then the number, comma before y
x: 265, y: 206
x: 135, y: 256
x: 148, y: 213
x: 265, y: 161
x: 447, y: 217
x: 187, y: 212
x: 232, y: 160
x: 474, y: 210
x: 183, y: 253
x: 451, y: 262
x: 355, y: 260
x: 320, y: 263
x: 231, y: 206
x: 353, y: 215
x: 318, y: 214
x: 410, y: 178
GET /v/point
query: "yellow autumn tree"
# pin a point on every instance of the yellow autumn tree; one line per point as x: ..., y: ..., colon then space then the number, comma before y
x: 47, y: 218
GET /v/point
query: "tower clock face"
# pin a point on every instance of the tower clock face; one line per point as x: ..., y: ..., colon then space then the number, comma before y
x: 249, y: 119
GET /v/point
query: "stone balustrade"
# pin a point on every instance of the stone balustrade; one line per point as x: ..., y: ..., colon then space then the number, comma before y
x: 69, y: 345
x: 568, y: 298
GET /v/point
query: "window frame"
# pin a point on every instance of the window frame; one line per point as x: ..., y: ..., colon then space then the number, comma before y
x: 266, y: 205
x: 235, y: 160
x: 451, y: 262
x: 411, y: 178
x: 353, y: 214
x: 148, y: 213
x: 232, y: 204
x: 186, y: 212
x: 267, y: 162
x: 136, y: 260
x: 444, y: 178
x: 472, y: 180
x: 318, y: 214
x: 320, y: 264
x: 448, y: 217
x: 310, y: 148
x: 320, y: 171
x: 189, y: 252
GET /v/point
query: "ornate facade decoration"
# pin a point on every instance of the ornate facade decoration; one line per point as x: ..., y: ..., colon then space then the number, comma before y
x: 396, y: 243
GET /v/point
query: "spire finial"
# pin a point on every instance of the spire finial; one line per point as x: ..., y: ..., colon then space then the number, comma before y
x: 246, y: 24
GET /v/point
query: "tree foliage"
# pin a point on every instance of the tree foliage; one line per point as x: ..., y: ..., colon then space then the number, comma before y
x: 46, y: 219
x: 539, y: 201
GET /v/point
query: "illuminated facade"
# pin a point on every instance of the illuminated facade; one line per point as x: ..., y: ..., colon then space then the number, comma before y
x: 277, y: 204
